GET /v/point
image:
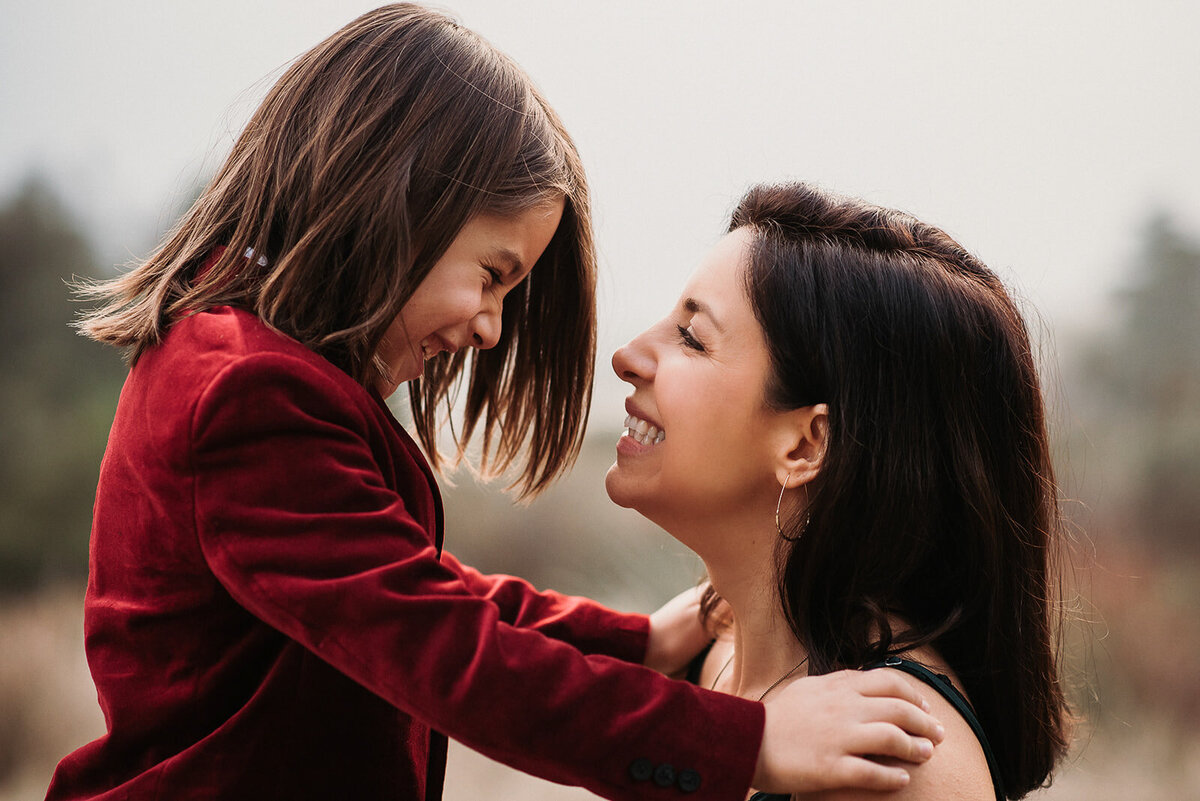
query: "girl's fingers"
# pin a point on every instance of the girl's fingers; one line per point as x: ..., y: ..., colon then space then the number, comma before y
x: 903, y: 714
x: 886, y: 740
x: 867, y: 775
x: 899, y: 704
x: 889, y: 683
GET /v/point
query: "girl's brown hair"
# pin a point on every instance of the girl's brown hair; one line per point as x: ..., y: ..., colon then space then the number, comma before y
x: 352, y: 178
x: 934, y: 520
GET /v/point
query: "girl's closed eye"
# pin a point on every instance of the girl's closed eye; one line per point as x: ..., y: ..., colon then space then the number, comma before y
x: 494, y: 276
x: 689, y: 338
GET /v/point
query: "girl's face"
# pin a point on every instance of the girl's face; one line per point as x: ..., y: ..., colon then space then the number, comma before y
x: 458, y: 304
x: 701, y: 437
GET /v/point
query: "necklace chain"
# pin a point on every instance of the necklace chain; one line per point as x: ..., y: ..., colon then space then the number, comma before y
x: 775, y: 684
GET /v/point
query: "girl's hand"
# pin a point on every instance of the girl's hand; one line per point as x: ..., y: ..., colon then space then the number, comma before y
x: 820, y: 731
x: 676, y: 633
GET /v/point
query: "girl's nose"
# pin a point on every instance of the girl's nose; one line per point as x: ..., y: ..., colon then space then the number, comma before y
x: 634, y: 361
x: 485, y: 331
x: 485, y: 327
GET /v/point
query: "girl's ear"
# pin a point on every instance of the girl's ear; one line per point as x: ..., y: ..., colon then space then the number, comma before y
x: 807, y: 433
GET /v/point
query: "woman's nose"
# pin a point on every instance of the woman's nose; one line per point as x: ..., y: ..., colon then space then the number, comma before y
x: 634, y: 360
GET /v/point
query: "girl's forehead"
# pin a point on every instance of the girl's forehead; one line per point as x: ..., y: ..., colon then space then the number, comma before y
x: 539, y: 212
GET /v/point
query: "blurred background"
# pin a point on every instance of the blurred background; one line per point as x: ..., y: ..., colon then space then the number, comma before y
x: 1058, y: 141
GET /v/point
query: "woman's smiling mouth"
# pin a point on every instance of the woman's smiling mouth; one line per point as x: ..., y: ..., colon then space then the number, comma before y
x: 642, y: 432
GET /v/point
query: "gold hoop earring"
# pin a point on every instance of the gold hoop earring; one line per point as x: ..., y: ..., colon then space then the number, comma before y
x: 783, y: 489
x: 779, y: 503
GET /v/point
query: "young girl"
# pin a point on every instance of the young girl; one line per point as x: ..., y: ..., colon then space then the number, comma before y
x: 884, y: 495
x: 270, y: 613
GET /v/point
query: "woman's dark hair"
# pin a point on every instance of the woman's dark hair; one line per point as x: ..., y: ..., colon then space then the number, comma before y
x: 354, y: 175
x: 934, y: 520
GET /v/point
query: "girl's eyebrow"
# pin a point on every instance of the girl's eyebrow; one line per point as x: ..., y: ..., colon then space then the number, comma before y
x: 510, y: 259
x: 694, y: 306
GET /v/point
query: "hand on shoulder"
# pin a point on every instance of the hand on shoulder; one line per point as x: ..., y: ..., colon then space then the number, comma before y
x: 820, y: 730
x: 958, y: 769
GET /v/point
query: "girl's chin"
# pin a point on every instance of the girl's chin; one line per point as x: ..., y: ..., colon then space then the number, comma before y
x: 386, y: 387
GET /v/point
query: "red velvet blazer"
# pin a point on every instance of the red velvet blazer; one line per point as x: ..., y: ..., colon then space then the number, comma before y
x: 270, y: 615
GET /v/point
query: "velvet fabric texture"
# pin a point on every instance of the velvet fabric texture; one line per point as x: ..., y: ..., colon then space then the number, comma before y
x: 270, y: 614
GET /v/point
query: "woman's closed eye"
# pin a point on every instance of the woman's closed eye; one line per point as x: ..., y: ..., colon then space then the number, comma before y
x: 689, y: 339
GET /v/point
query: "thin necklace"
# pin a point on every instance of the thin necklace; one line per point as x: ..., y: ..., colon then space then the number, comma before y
x: 721, y: 673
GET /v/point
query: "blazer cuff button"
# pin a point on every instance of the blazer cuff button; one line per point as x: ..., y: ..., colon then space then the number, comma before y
x: 689, y: 781
x: 641, y: 770
x: 664, y: 775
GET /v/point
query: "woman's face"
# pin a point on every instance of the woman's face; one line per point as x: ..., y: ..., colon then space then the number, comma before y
x: 701, y: 439
x: 458, y: 304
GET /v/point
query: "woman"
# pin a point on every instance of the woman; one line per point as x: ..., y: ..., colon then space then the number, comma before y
x: 842, y: 417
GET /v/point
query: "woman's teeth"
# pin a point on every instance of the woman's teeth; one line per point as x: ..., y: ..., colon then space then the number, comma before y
x: 643, y: 432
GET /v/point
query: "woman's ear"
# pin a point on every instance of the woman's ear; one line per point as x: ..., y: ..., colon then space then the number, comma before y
x: 807, y: 435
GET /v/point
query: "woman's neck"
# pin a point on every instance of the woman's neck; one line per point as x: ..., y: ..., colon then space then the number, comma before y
x: 764, y: 647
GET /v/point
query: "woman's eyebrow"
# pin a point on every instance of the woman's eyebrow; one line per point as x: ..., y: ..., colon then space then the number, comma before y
x: 694, y: 306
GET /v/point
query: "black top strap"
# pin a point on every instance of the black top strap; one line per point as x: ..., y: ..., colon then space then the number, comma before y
x: 942, y: 684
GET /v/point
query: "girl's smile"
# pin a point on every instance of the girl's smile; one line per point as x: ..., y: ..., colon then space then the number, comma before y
x: 433, y: 345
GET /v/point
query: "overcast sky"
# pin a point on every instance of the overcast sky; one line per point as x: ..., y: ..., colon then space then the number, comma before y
x: 1040, y: 134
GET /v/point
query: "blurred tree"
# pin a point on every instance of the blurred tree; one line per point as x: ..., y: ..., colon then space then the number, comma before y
x: 1148, y: 369
x: 1164, y: 370
x: 57, y: 394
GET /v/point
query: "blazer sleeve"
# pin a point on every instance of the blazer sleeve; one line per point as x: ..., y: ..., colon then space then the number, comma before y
x: 297, y: 522
x: 585, y: 624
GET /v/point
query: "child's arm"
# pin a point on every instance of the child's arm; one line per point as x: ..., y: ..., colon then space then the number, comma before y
x: 665, y: 641
x: 585, y: 624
